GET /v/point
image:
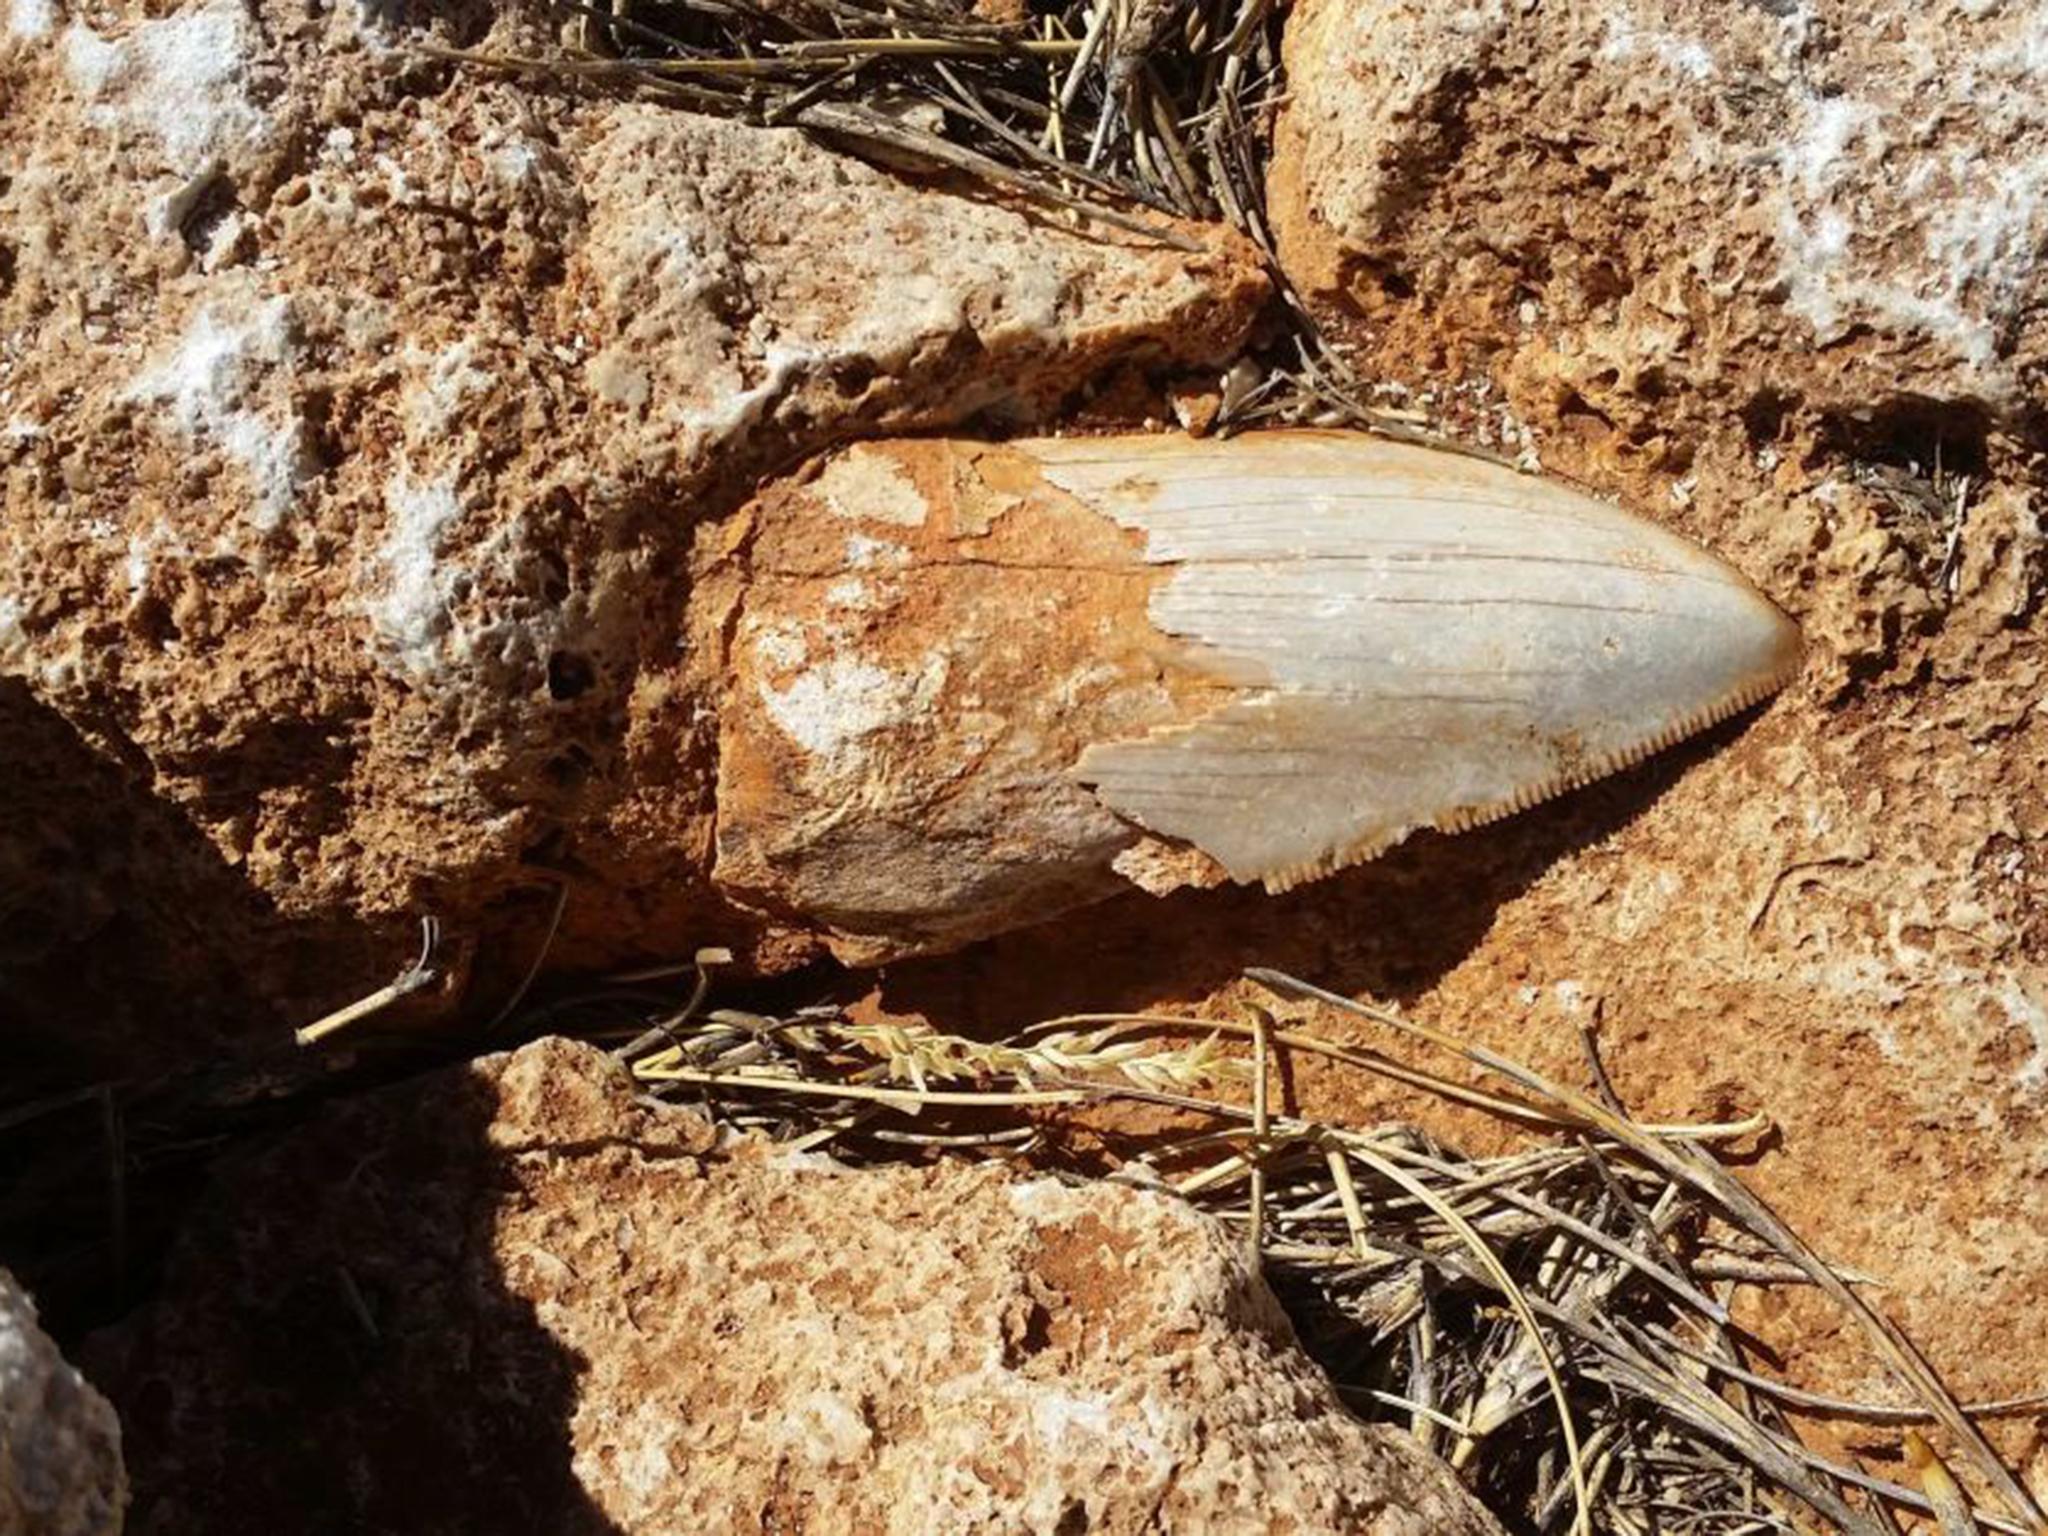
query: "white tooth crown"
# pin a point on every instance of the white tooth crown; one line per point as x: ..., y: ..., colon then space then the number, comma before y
x: 1407, y: 637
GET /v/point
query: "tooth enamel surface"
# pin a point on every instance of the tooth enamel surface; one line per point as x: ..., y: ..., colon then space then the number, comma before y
x: 1420, y: 638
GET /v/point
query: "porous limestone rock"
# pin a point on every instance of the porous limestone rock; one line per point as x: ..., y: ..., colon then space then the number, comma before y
x: 512, y: 1297
x: 1760, y: 270
x: 1791, y: 204
x: 356, y: 409
x: 60, y: 1444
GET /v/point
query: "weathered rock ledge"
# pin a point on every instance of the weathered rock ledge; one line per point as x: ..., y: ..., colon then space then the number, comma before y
x: 356, y: 413
x: 510, y: 1296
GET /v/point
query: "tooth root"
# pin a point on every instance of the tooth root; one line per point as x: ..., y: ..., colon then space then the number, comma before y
x: 1420, y: 639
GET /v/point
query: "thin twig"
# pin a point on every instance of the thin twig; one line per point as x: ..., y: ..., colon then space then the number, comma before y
x: 540, y: 958
x: 1260, y: 1129
x: 419, y: 974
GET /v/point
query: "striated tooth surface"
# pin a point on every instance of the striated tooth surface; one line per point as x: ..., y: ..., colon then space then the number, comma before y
x: 1420, y: 639
x: 965, y: 685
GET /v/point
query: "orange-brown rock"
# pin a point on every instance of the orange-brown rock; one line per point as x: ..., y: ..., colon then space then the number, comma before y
x: 1761, y: 270
x: 355, y: 413
x: 1674, y: 209
x: 512, y: 1297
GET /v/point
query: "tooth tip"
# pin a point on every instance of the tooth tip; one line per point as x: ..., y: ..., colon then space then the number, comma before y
x: 1409, y: 640
x: 1787, y: 652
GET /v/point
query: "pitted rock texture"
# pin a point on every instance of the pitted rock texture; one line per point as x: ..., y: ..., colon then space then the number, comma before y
x: 537, y: 1302
x: 1598, y: 238
x: 355, y: 412
x: 1785, y: 204
x: 60, y: 1444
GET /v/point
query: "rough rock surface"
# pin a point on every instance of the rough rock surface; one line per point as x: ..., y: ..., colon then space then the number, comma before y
x: 355, y: 412
x: 1756, y: 269
x: 1665, y: 205
x: 60, y: 1444
x: 512, y: 1297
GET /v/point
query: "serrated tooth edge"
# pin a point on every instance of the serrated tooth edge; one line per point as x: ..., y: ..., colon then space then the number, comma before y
x: 1465, y: 818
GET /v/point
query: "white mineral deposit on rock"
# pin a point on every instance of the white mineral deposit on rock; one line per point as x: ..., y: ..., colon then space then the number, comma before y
x: 208, y: 388
x: 410, y: 616
x: 179, y: 83
x: 31, y: 20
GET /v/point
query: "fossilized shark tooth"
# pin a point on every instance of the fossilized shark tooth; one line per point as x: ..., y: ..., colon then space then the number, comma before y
x: 964, y: 684
x: 1419, y: 638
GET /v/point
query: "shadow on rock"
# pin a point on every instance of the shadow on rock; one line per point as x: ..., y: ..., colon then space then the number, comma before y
x: 128, y: 943
x: 334, y: 1350
x: 146, y: 993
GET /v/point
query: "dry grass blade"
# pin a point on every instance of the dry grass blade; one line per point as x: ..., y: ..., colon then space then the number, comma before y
x: 901, y: 1098
x: 1614, y: 1247
x: 1690, y: 1167
x: 1950, y: 1507
x: 1516, y: 1299
x: 865, y: 126
x: 1716, y: 1419
x: 1261, y: 1129
x: 1532, y: 1113
x: 1822, y: 1403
